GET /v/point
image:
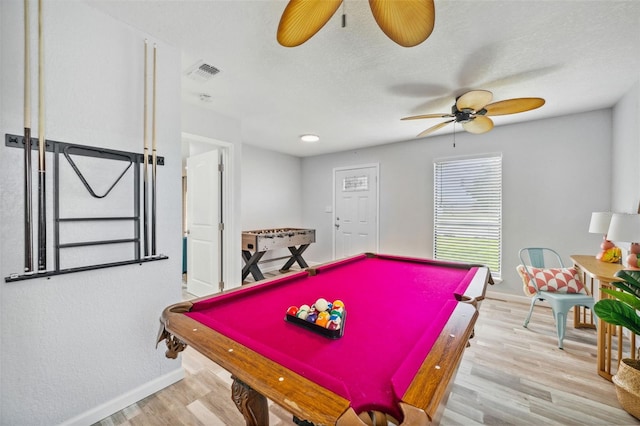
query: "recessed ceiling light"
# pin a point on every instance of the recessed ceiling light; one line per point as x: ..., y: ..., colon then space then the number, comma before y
x: 309, y: 138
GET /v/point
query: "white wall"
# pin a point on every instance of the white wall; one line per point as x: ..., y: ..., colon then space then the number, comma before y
x: 272, y: 187
x: 271, y: 195
x: 625, y: 188
x: 206, y: 123
x: 555, y: 173
x: 76, y: 347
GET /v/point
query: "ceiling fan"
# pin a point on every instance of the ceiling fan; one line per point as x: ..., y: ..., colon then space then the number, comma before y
x: 473, y: 108
x: 407, y: 22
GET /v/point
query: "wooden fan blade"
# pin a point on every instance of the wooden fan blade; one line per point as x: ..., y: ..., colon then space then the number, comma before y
x: 418, y: 117
x: 434, y: 128
x: 301, y: 19
x: 474, y: 100
x: 407, y: 22
x: 480, y: 124
x: 512, y: 106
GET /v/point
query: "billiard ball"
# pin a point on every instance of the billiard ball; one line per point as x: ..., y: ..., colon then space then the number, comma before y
x: 339, y: 312
x: 302, y: 314
x: 338, y: 304
x: 293, y: 310
x: 311, y: 317
x: 334, y: 323
x: 322, y: 304
x: 324, y: 314
x: 322, y: 321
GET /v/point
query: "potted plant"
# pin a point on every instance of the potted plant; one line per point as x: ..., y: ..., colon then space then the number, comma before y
x: 623, y: 309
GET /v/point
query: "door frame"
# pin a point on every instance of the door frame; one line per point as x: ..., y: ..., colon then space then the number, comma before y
x: 229, y: 260
x: 375, y: 166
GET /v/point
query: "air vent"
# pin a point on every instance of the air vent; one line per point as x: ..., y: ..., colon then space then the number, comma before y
x: 201, y: 71
x: 205, y: 97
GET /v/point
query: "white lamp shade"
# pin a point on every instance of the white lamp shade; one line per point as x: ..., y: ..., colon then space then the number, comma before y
x: 624, y: 227
x: 599, y: 222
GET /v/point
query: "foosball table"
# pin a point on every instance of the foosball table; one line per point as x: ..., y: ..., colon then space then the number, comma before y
x: 256, y: 243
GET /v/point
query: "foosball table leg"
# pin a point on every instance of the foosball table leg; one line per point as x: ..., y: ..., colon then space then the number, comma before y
x: 251, y: 265
x: 296, y: 256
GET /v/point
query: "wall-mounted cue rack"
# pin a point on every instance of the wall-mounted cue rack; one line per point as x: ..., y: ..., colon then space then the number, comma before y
x: 130, y: 161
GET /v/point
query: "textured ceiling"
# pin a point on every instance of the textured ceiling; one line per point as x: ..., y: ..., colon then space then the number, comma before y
x: 352, y: 85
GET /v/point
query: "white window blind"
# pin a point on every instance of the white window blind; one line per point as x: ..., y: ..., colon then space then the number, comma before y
x: 468, y: 211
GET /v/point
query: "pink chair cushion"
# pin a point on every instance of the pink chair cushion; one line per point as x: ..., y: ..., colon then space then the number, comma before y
x: 559, y: 280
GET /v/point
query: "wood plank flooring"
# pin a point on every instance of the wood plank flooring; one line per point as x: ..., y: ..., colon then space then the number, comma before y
x: 510, y: 375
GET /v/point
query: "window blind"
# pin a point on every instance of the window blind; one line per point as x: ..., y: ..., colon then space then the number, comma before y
x: 468, y: 211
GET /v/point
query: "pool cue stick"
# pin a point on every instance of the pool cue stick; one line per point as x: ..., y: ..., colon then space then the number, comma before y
x: 154, y: 158
x: 42, y: 199
x: 28, y: 212
x: 145, y: 188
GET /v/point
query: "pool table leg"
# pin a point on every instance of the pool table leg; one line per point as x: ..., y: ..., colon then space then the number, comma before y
x: 250, y: 403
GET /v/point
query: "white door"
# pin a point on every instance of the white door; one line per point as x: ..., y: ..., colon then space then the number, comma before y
x: 203, y: 217
x: 356, y: 210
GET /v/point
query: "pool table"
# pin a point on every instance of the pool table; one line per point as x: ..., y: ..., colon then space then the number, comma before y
x: 408, y: 322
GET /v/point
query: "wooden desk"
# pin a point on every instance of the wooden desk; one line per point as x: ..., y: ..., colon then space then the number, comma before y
x: 593, y: 271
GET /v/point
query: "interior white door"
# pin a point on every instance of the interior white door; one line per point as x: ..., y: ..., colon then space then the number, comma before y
x: 356, y: 211
x: 203, y: 217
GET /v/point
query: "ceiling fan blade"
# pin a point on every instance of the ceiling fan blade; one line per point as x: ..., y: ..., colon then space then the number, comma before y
x: 434, y: 128
x: 512, y: 106
x: 407, y: 22
x: 418, y: 117
x: 478, y: 125
x: 301, y: 19
x: 474, y: 100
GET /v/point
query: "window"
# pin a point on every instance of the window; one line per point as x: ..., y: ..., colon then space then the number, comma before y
x: 467, y: 220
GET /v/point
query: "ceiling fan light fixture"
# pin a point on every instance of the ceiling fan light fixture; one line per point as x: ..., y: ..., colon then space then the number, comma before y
x: 471, y: 110
x: 464, y: 116
x: 309, y: 138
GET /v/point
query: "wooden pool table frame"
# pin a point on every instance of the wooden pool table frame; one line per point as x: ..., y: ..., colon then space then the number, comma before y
x: 256, y: 378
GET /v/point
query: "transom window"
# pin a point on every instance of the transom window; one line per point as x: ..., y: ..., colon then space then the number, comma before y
x: 467, y: 219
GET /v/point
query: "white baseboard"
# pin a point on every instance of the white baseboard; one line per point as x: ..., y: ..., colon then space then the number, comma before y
x: 108, y: 408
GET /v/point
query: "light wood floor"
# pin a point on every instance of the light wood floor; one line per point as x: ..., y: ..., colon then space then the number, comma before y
x: 509, y: 376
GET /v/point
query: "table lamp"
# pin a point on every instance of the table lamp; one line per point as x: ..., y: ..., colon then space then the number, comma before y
x: 600, y: 225
x: 626, y: 227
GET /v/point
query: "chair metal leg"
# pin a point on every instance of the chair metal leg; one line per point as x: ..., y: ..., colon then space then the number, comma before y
x: 561, y: 326
x: 533, y: 303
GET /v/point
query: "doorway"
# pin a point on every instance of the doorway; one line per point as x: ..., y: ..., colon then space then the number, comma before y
x: 356, y: 210
x: 208, y: 219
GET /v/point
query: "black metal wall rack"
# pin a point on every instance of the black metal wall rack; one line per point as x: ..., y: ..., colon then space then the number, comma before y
x: 66, y: 150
